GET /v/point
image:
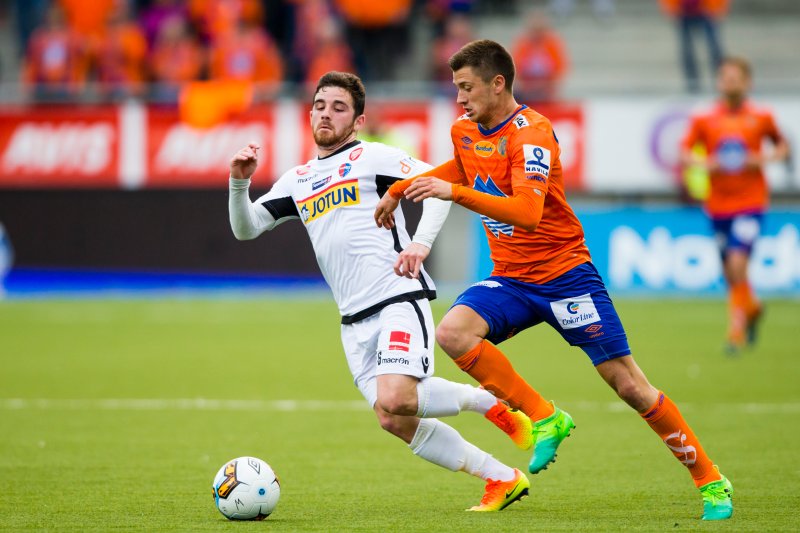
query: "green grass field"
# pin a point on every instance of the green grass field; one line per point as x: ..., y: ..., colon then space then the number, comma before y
x: 115, y: 415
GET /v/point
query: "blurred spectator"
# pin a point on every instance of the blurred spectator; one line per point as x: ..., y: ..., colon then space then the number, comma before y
x: 176, y: 58
x: 214, y: 18
x: 541, y: 60
x: 697, y: 16
x: 88, y: 18
x: 154, y: 16
x: 29, y: 16
x: 330, y: 52
x: 121, y: 56
x: 280, y: 21
x: 55, y: 65
x: 602, y: 9
x: 376, y: 31
x: 245, y: 52
x: 439, y: 11
x: 310, y: 15
x: 457, y: 33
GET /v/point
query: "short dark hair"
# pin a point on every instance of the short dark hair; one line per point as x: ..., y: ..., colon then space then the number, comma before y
x: 487, y: 58
x: 741, y: 63
x: 350, y: 83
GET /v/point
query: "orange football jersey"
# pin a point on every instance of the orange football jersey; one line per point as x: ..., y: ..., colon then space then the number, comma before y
x: 522, y: 156
x: 730, y: 136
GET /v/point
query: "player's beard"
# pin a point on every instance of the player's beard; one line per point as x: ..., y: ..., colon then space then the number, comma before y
x: 328, y: 138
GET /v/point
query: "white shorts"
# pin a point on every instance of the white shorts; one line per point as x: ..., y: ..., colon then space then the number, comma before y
x: 397, y: 340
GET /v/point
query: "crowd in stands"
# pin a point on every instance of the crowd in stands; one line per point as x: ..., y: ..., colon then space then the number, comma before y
x: 153, y: 48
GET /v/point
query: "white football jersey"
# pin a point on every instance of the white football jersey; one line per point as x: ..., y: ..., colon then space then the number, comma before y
x: 335, y: 197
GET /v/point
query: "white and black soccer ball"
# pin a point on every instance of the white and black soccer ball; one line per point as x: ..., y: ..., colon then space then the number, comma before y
x: 246, y: 488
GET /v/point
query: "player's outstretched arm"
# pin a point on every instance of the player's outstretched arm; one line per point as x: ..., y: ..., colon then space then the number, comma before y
x: 248, y: 220
x: 386, y: 206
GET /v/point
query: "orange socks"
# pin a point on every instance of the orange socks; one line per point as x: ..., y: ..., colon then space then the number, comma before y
x: 494, y: 372
x: 743, y: 307
x: 665, y: 419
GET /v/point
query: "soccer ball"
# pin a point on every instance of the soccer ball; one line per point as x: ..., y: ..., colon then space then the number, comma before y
x: 246, y: 489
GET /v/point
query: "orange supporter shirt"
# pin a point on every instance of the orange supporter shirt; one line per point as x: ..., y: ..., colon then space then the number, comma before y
x: 511, y: 175
x: 729, y: 137
x: 88, y: 18
x: 247, y: 56
x: 542, y: 59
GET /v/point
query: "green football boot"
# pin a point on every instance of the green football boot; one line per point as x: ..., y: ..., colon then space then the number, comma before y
x: 547, y: 436
x: 717, y: 499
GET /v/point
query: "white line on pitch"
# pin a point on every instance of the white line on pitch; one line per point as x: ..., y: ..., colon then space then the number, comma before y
x: 209, y: 404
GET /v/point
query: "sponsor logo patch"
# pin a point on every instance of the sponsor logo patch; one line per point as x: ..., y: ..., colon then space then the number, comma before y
x: 399, y: 340
x: 321, y: 183
x: 337, y: 195
x: 355, y: 154
x: 302, y: 171
x: 575, y: 312
x: 732, y: 154
x: 520, y: 121
x: 390, y: 360
x: 537, y: 160
x: 484, y: 149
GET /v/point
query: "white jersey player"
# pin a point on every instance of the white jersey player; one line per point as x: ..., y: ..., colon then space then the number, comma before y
x: 387, y: 326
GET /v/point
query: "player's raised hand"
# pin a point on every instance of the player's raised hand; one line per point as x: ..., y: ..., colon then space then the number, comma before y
x: 410, y: 260
x: 384, y: 216
x: 244, y: 163
x: 429, y: 187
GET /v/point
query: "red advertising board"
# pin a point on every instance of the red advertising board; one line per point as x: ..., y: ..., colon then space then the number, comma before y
x: 59, y: 146
x: 179, y: 155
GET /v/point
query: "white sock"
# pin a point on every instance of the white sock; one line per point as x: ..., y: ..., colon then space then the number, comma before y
x: 439, y: 397
x: 442, y: 445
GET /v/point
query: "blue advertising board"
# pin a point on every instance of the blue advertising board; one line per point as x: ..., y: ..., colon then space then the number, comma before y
x: 671, y: 250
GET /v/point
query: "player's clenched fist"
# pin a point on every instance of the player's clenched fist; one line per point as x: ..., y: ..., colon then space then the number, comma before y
x: 244, y: 163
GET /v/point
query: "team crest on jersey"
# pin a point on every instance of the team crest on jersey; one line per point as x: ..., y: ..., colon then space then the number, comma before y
x: 484, y: 149
x: 337, y: 195
x: 537, y: 160
x: 494, y: 227
x: 502, y: 145
x: 344, y: 169
x: 520, y: 121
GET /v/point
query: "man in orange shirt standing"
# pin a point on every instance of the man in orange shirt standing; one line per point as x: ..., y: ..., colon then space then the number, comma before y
x: 541, y: 59
x: 507, y: 168
x: 732, y: 133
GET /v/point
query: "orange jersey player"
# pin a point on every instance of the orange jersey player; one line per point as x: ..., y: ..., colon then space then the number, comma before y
x: 507, y: 168
x: 519, y: 157
x: 732, y: 134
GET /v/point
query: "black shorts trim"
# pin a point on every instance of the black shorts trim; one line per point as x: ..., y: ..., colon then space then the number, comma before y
x: 374, y: 309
